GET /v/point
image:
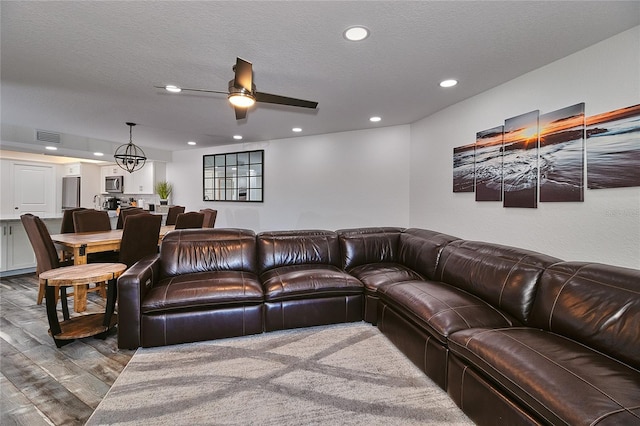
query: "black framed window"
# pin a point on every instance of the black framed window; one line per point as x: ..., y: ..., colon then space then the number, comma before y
x: 234, y: 176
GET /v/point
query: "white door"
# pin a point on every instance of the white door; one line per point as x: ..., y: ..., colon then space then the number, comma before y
x: 34, y: 188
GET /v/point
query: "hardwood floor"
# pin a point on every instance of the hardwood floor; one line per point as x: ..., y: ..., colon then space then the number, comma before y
x: 39, y: 383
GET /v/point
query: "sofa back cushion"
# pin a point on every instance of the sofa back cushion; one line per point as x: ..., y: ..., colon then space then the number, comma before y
x: 595, y: 304
x: 361, y: 246
x: 303, y: 247
x: 505, y: 277
x: 420, y: 250
x: 207, y: 249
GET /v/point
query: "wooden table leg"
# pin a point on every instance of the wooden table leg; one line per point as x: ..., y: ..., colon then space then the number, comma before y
x: 80, y: 298
x: 52, y: 316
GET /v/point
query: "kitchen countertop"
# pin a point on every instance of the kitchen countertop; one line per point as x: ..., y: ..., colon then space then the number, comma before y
x: 43, y: 216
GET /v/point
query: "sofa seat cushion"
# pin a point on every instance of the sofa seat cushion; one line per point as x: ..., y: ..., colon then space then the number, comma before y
x: 561, y: 380
x: 203, y: 289
x: 373, y: 275
x: 308, y: 281
x: 441, y: 309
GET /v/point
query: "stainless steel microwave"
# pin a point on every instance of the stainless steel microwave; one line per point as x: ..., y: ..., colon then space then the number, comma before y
x: 114, y: 184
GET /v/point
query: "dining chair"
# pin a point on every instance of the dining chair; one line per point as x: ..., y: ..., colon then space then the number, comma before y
x: 209, y: 217
x: 189, y: 220
x: 126, y: 212
x: 172, y: 214
x: 91, y: 221
x: 67, y: 226
x: 46, y: 253
x: 140, y: 237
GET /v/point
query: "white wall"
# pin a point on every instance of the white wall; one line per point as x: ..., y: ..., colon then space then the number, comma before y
x: 331, y: 181
x: 604, y: 228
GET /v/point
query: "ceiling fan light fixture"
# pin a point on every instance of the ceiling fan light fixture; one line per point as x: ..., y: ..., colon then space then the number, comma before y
x: 128, y: 156
x: 242, y: 100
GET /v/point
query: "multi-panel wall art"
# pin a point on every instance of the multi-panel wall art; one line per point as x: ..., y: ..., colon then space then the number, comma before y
x: 537, y: 157
x: 463, y: 168
x: 561, y: 160
x: 613, y: 148
x: 488, y: 170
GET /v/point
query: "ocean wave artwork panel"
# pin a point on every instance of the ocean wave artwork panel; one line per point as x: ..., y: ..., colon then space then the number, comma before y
x: 520, y: 161
x: 463, y: 168
x: 613, y: 149
x: 561, y: 154
x: 488, y: 164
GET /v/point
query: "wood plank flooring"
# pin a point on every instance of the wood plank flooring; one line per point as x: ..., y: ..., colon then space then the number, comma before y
x: 39, y: 383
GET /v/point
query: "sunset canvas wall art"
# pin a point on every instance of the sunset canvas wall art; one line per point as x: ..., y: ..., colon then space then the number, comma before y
x: 520, y: 161
x: 488, y: 164
x: 613, y: 149
x: 561, y: 155
x: 463, y: 168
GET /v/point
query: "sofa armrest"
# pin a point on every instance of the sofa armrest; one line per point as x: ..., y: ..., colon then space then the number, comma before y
x: 132, y: 287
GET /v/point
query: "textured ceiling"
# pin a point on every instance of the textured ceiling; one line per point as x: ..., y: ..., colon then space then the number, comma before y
x: 86, y: 68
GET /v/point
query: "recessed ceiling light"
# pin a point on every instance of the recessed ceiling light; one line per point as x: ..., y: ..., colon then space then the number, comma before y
x: 296, y: 129
x: 191, y: 143
x: 356, y: 33
x: 172, y: 88
x: 98, y: 154
x: 448, y: 83
x: 375, y: 119
x: 237, y: 137
x: 51, y: 148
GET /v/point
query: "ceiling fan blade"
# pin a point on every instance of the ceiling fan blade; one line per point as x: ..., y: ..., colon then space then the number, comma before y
x: 240, y: 113
x: 244, y: 75
x: 283, y: 100
x: 184, y: 89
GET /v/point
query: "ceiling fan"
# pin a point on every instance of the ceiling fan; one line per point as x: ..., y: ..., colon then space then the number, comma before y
x: 242, y: 92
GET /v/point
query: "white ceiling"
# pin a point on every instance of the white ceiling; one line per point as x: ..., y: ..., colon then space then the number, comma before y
x: 86, y: 68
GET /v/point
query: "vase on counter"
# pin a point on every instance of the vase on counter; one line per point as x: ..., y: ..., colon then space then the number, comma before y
x: 164, y: 202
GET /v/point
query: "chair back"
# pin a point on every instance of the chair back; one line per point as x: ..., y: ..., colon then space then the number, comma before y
x: 40, y: 239
x: 67, y: 220
x: 91, y: 221
x: 209, y: 217
x: 126, y: 212
x: 189, y: 220
x: 172, y: 214
x: 140, y: 237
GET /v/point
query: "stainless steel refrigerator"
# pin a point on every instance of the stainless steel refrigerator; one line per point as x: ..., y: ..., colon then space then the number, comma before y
x: 70, y: 192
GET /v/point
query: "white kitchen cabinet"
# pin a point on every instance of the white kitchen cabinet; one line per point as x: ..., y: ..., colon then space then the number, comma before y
x: 16, y: 252
x: 141, y: 181
x: 72, y: 169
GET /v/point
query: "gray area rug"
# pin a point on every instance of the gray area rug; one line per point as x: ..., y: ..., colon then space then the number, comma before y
x: 341, y: 374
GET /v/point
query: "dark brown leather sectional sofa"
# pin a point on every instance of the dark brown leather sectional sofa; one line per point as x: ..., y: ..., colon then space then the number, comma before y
x: 513, y: 336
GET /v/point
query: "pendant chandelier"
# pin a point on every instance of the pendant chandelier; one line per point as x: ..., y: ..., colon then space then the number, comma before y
x: 129, y: 156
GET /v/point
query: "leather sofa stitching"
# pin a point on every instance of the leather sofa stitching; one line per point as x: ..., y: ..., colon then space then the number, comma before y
x: 507, y: 379
x: 555, y: 300
x: 610, y: 413
x: 584, y: 380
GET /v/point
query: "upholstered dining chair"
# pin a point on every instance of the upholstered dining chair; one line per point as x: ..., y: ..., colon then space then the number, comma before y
x: 126, y: 212
x: 209, y: 217
x: 189, y: 220
x: 91, y: 221
x: 140, y: 237
x: 45, y: 251
x: 67, y: 226
x: 172, y: 214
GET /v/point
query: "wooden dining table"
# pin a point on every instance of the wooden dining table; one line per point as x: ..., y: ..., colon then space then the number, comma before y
x: 82, y: 244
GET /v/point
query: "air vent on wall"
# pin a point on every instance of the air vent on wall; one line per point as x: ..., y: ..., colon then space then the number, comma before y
x: 48, y: 137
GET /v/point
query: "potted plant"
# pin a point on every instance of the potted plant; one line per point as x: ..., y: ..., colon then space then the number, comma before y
x: 163, y: 189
